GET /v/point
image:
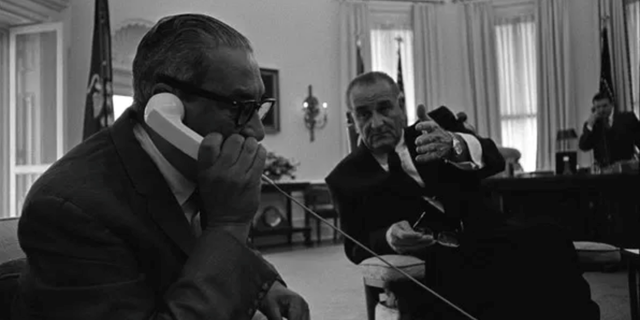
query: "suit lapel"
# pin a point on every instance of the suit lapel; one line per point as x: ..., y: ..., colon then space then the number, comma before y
x: 156, y: 199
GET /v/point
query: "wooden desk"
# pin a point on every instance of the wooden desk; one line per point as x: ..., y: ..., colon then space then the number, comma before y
x: 603, y: 208
x: 288, y: 229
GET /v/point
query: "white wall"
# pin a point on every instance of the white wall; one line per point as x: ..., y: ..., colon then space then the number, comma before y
x: 297, y: 37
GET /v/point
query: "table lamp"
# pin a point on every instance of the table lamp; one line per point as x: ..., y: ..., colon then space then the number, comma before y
x: 566, y: 154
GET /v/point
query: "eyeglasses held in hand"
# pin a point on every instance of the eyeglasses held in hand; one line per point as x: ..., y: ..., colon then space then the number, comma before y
x: 444, y: 238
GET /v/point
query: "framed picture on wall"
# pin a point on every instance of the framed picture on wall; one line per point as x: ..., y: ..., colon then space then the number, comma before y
x: 271, y: 121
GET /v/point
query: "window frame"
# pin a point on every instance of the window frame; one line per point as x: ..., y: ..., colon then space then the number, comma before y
x: 14, y: 169
x: 513, y: 11
x: 393, y: 16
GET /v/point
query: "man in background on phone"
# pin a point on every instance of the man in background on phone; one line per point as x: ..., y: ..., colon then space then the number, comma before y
x: 126, y: 226
x: 492, y: 268
x: 613, y: 136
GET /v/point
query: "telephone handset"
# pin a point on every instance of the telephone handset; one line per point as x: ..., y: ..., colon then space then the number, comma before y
x: 164, y: 113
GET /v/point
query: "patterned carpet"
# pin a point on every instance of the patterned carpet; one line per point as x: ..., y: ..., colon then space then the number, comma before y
x: 333, y: 286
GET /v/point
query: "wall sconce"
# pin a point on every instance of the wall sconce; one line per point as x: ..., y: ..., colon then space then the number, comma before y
x: 315, y: 117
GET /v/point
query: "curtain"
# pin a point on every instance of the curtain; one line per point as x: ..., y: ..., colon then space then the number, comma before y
x: 384, y: 58
x: 354, y: 28
x: 613, y: 18
x: 632, y: 8
x: 517, y: 81
x: 478, y: 45
x: 428, y: 56
x: 555, y: 104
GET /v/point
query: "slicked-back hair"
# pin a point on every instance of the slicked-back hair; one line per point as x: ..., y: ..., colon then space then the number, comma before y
x: 179, y: 46
x: 370, y: 78
x: 601, y: 96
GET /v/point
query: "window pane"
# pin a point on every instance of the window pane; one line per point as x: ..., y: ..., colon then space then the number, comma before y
x: 120, y: 104
x: 521, y: 134
x: 384, y: 58
x: 516, y: 54
x: 36, y: 98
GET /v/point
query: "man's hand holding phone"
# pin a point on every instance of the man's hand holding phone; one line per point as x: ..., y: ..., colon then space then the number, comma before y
x: 403, y: 239
x: 597, y: 114
x: 229, y: 173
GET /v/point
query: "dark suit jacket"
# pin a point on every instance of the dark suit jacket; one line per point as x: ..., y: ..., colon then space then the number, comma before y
x: 618, y: 140
x: 106, y: 239
x: 370, y: 199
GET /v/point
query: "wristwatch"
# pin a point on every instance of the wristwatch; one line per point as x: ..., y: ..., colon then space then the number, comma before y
x: 457, y: 145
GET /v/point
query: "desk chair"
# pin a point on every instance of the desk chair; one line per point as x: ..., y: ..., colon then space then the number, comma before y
x: 318, y: 198
x: 12, y: 262
x: 375, y: 273
x: 601, y: 256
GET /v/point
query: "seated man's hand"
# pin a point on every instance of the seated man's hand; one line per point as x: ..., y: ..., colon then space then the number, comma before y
x: 280, y: 302
x: 434, y: 143
x: 403, y: 239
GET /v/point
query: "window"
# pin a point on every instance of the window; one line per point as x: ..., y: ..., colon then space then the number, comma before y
x: 35, y: 134
x: 391, y: 23
x: 384, y: 57
x: 516, y: 55
x: 120, y: 104
x: 633, y: 37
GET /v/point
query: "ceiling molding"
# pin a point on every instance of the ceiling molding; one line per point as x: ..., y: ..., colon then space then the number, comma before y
x: 20, y: 12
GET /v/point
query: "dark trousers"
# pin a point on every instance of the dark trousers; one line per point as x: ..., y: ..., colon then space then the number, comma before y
x: 514, y: 271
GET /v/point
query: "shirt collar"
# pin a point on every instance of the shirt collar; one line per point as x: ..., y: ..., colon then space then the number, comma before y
x: 611, y: 118
x: 180, y: 186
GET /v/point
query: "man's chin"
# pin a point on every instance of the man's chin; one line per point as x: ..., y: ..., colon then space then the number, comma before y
x: 382, y: 145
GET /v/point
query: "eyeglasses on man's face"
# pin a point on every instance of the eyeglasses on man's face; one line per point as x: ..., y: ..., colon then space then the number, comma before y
x: 244, y: 109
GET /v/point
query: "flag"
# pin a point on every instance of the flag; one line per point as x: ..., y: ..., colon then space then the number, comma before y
x: 606, y: 79
x: 400, y: 82
x: 359, y: 61
x: 98, y: 112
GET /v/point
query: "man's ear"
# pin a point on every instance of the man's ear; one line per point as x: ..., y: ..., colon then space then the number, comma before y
x: 161, y: 88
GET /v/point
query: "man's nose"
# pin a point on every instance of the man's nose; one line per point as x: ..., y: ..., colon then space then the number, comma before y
x: 376, y: 120
x: 254, y: 128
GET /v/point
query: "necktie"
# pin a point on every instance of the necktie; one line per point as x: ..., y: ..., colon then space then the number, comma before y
x: 191, y: 208
x: 393, y: 160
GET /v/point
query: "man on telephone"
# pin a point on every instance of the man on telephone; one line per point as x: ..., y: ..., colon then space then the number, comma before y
x: 613, y: 136
x: 416, y: 191
x: 127, y: 226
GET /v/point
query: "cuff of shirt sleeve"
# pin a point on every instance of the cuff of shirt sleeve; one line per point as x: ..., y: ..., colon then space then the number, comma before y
x: 475, y: 151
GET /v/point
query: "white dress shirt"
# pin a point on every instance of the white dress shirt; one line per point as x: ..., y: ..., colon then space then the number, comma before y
x: 181, y: 187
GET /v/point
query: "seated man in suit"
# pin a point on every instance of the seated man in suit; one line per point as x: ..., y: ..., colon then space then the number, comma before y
x: 612, y: 135
x: 126, y: 226
x: 491, y: 268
